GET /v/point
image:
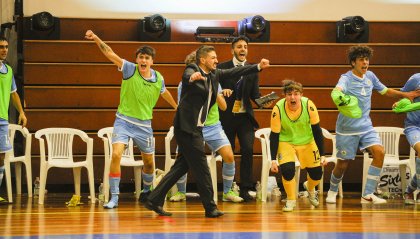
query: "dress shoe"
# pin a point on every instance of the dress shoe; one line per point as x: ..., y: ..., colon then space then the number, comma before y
x: 157, y: 209
x: 214, y: 213
x: 245, y: 195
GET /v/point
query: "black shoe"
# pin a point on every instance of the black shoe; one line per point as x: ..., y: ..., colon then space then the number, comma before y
x: 143, y: 196
x: 214, y: 213
x: 245, y: 195
x: 157, y: 209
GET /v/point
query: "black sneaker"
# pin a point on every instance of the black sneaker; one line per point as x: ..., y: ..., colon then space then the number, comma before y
x: 144, y: 195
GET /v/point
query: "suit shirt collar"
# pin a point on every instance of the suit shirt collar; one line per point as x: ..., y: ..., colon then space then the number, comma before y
x: 236, y: 62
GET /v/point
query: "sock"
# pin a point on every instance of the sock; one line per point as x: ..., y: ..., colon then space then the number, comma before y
x: 312, y: 184
x: 372, y: 180
x: 182, y: 184
x: 1, y: 174
x: 147, y: 181
x: 228, y: 174
x: 114, y: 187
x: 412, y: 186
x: 334, y: 182
x: 290, y: 188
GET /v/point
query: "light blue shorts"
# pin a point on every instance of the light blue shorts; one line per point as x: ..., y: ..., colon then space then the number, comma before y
x: 142, y: 136
x: 413, y: 135
x: 5, y: 144
x: 215, y: 137
x: 347, y: 145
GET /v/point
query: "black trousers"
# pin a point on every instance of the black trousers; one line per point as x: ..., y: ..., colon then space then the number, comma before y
x: 191, y: 154
x: 242, y: 127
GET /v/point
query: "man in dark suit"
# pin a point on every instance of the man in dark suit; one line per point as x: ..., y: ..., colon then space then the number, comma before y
x: 238, y: 119
x: 199, y: 90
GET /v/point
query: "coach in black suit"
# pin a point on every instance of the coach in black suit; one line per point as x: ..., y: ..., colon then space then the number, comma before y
x: 199, y: 91
x: 238, y: 119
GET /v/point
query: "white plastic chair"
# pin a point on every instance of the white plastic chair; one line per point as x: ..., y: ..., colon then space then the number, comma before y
x: 264, y: 136
x: 211, y: 162
x: 127, y: 160
x: 390, y: 137
x: 18, y: 160
x: 330, y: 159
x: 60, y: 154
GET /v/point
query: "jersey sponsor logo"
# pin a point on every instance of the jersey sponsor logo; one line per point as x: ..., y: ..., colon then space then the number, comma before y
x: 343, y: 152
x: 311, y: 108
x: 274, y: 114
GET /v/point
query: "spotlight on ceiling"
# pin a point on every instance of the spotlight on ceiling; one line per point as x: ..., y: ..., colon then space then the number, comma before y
x: 41, y: 26
x: 256, y: 28
x: 154, y: 28
x: 353, y: 29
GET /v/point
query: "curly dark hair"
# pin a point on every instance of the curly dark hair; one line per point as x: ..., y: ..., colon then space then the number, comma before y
x: 358, y: 51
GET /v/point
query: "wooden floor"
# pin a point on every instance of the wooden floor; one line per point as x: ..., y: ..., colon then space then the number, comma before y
x: 348, y: 219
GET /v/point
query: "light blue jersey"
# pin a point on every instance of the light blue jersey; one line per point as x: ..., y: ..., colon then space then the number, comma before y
x: 362, y: 89
x: 413, y: 118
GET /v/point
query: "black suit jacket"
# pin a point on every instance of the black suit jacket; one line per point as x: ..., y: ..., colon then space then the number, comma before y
x: 194, y: 94
x: 250, y: 91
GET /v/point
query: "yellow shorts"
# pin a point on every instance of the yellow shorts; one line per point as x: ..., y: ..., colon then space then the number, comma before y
x: 308, y: 154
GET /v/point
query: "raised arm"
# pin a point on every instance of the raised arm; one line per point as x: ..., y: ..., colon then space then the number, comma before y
x: 106, y: 50
x: 400, y: 94
x: 243, y: 70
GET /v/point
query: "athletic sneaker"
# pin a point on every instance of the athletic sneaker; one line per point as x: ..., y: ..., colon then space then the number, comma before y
x: 144, y: 195
x: 178, y: 197
x: 3, y: 201
x: 312, y: 196
x: 289, y: 206
x: 231, y: 196
x: 331, y: 197
x: 371, y: 198
x: 409, y: 199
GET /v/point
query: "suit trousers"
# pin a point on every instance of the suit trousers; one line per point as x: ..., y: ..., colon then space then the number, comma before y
x: 242, y: 127
x: 191, y: 154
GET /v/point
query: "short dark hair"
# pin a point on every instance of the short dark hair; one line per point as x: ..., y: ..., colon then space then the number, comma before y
x: 146, y: 50
x: 291, y: 85
x: 2, y: 38
x: 358, y: 51
x: 239, y: 38
x: 203, y: 51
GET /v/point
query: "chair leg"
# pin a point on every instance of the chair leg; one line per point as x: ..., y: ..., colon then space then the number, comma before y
x: 340, y: 190
x: 321, y: 183
x: 76, y: 176
x: 265, y: 173
x: 403, y: 170
x: 213, y: 173
x: 7, y: 172
x: 297, y: 176
x: 43, y: 180
x: 137, y: 181
x: 18, y: 174
x: 91, y: 184
x: 28, y: 168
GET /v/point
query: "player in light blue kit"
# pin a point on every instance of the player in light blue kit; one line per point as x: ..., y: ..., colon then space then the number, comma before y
x: 354, y: 128
x: 217, y: 141
x: 7, y: 93
x: 412, y: 131
x: 140, y: 89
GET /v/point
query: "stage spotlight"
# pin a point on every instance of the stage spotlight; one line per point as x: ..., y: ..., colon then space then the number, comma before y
x: 353, y: 29
x: 256, y: 28
x: 41, y: 26
x: 154, y: 28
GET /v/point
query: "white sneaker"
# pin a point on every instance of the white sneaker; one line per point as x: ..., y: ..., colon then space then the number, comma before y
x: 289, y: 206
x: 178, y: 197
x: 331, y: 197
x: 371, y: 198
x: 231, y: 197
x: 312, y: 196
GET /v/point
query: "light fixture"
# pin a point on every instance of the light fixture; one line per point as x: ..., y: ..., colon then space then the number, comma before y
x: 154, y: 28
x: 353, y: 29
x: 256, y: 28
x: 41, y: 26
